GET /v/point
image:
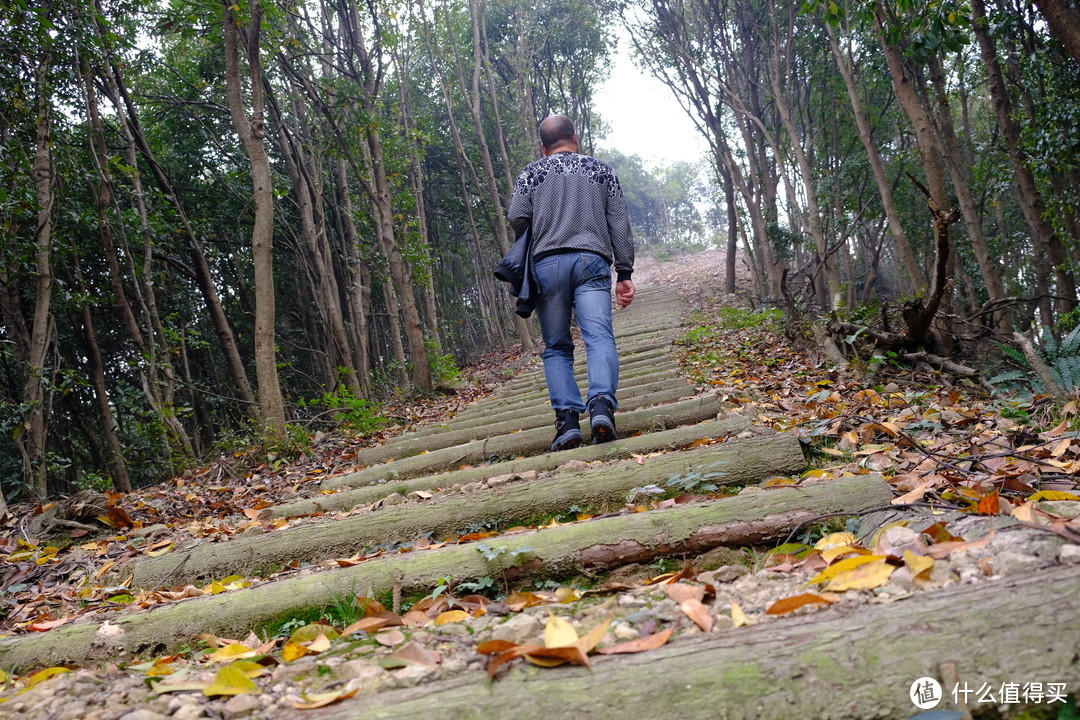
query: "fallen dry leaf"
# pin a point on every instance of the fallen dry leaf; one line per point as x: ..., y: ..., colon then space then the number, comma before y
x: 641, y: 644
x: 696, y: 611
x: 791, y: 604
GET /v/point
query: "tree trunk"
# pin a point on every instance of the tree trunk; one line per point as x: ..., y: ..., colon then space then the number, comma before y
x: 1064, y: 22
x: 116, y: 463
x: 862, y: 123
x: 358, y: 290
x: 1029, y: 198
x: 252, y: 133
x: 829, y: 665
x: 35, y: 423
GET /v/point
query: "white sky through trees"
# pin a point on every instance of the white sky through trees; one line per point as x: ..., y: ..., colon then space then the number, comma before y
x: 643, y: 117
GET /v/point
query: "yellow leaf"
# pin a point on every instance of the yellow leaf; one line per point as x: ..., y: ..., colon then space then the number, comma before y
x: 559, y: 633
x: 231, y: 652
x: 832, y: 451
x: 863, y: 577
x: 591, y: 639
x: 780, y: 482
x: 293, y: 650
x: 567, y: 595
x: 160, y: 551
x: 312, y: 631
x: 231, y: 680
x: 3, y: 677
x: 1025, y: 513
x: 843, y: 566
x: 231, y: 579
x: 738, y: 617
x: 161, y: 669
x: 215, y: 588
x: 1053, y: 495
x: 319, y: 644
x: 452, y: 616
x: 917, y: 564
x: 251, y: 669
x: 318, y: 700
x: 838, y: 539
x: 838, y: 552
x: 44, y: 675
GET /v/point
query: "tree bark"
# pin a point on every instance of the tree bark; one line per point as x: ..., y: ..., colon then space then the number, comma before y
x: 831, y: 664
x: 862, y: 124
x: 1031, y: 203
x: 599, y: 544
x: 1064, y: 22
x: 252, y: 134
x: 743, y: 462
x: 35, y: 423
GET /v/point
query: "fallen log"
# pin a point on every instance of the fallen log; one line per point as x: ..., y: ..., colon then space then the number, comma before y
x: 374, y: 483
x: 531, y: 416
x: 538, y: 440
x: 538, y: 389
x: 736, y: 462
x: 556, y: 552
x: 842, y: 663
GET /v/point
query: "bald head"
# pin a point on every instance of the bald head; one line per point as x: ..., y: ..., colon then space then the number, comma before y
x: 556, y: 130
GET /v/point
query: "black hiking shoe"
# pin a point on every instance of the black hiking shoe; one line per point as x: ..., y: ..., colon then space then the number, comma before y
x: 567, y: 431
x: 602, y: 420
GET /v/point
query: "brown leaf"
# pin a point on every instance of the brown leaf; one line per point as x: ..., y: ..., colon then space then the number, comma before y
x: 416, y: 654
x: 368, y: 624
x: 697, y: 612
x: 648, y: 642
x: 390, y: 638
x: 494, y: 647
x: 570, y: 653
x: 989, y: 505
x: 790, y: 604
x: 511, y: 654
x: 680, y: 592
x: 318, y: 700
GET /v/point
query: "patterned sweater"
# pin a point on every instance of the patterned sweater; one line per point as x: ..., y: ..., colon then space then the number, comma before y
x: 574, y: 202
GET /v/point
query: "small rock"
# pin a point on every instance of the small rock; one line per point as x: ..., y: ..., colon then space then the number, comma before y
x: 293, y: 670
x: 750, y: 490
x: 472, y: 487
x: 150, y: 530
x: 410, y: 675
x: 630, y: 601
x: 730, y: 573
x: 722, y: 622
x: 1068, y: 509
x: 71, y: 711
x: 499, y: 480
x: 720, y: 557
x: 519, y: 629
x: 395, y: 498
x: 1007, y: 563
x: 890, y: 388
x: 1070, y: 555
x: 903, y: 580
x: 626, y: 631
x: 571, y: 466
x: 143, y: 714
x: 240, y: 706
x: 361, y: 670
x: 252, y: 530
x: 190, y: 711
x: 527, y: 475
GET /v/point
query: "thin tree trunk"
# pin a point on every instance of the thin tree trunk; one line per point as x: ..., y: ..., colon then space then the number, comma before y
x: 203, y: 276
x: 358, y: 289
x: 35, y: 423
x: 116, y: 463
x: 252, y: 132
x: 1064, y: 22
x: 1028, y: 196
x: 862, y: 123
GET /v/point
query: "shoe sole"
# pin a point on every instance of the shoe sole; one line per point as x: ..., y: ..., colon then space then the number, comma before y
x: 603, y: 432
x: 566, y: 443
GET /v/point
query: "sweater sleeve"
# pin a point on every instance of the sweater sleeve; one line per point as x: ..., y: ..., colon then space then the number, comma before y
x: 618, y: 221
x: 520, y: 211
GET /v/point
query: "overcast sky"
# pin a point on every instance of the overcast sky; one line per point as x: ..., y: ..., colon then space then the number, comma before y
x: 635, y: 106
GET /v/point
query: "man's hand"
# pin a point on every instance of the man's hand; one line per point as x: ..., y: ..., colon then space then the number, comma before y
x: 624, y: 293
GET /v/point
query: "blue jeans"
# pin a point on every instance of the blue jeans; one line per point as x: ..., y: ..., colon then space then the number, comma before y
x: 578, y: 281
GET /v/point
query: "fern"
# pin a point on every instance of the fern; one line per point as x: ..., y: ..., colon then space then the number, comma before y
x: 1070, y: 344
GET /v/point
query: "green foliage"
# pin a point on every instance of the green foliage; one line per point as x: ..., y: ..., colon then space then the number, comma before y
x: 354, y: 413
x: 444, y: 368
x: 1063, y: 359
x: 696, y: 482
